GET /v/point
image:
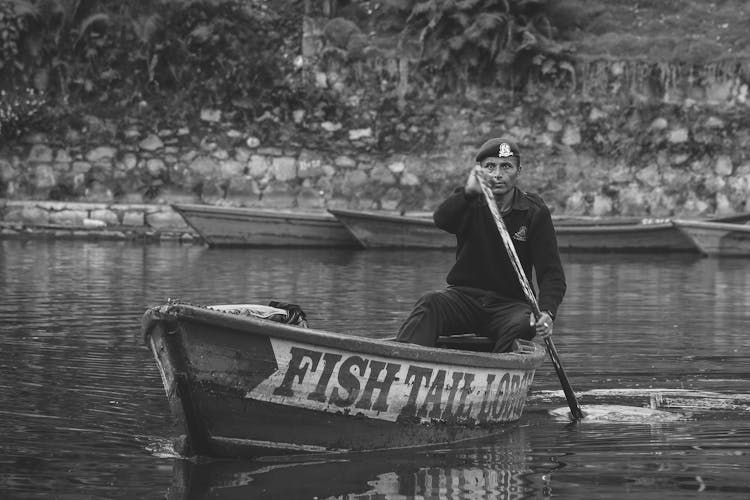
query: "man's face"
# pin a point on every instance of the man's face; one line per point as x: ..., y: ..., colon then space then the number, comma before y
x: 501, y: 174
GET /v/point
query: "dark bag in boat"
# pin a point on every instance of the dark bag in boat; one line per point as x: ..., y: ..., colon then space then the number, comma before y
x: 295, y: 314
x: 280, y: 312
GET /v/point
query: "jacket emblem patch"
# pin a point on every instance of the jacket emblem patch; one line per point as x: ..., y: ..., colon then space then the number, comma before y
x: 520, y: 234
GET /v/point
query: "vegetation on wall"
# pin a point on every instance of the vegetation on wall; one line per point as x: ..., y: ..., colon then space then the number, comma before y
x: 163, y: 60
x: 167, y: 58
x: 484, y: 40
x: 154, y: 59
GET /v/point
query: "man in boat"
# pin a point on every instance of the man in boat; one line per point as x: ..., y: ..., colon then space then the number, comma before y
x: 484, y: 295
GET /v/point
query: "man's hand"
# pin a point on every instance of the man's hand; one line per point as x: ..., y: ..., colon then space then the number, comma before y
x: 544, y: 325
x: 472, y: 183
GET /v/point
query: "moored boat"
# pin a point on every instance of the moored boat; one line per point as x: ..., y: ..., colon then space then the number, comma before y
x: 646, y: 236
x: 380, y: 230
x: 717, y: 238
x: 230, y: 226
x: 577, y: 233
x: 245, y: 385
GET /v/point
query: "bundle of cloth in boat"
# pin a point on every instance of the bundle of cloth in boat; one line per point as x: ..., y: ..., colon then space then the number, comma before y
x: 280, y: 312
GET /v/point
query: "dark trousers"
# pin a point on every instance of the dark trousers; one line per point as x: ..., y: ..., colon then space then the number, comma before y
x: 458, y: 310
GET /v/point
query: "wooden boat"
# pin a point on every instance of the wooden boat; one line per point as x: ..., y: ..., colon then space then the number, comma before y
x: 622, y: 234
x: 379, y: 230
x: 244, y: 385
x: 375, y: 230
x: 228, y: 226
x: 646, y: 236
x: 717, y: 238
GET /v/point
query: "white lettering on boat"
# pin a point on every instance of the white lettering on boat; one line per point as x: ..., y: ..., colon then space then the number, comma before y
x: 343, y: 382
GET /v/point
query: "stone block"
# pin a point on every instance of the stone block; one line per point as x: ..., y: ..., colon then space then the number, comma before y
x: 155, y: 167
x: 571, y: 136
x: 310, y: 198
x: 345, y: 162
x: 172, y: 194
x: 270, y: 151
x: 397, y: 167
x: 242, y: 187
x: 354, y: 180
x: 576, y: 204
x: 210, y: 115
x: 231, y: 169
x: 105, y: 215
x: 284, y: 168
x: 678, y: 136
x: 409, y: 179
x: 381, y: 174
x: 212, y: 193
x: 204, y: 167
x: 723, y: 205
x: 554, y: 125
x: 29, y: 215
x: 93, y: 223
x: 40, y: 153
x: 723, y: 165
x: 101, y: 153
x: 360, y: 134
x: 309, y: 164
x: 44, y: 177
x: 68, y: 217
x: 98, y: 192
x: 7, y: 170
x: 220, y: 154
x: 136, y: 218
x: 63, y: 156
x: 166, y: 219
x: 278, y: 195
x: 80, y: 167
x: 258, y: 166
x: 391, y: 200
x: 659, y: 124
x: 601, y: 206
x: 649, y: 175
x: 242, y: 155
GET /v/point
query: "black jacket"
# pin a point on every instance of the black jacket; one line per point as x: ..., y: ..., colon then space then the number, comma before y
x: 481, y: 259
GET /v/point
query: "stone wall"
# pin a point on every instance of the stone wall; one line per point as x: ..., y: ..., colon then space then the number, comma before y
x: 599, y: 145
x: 153, y: 223
x: 586, y: 158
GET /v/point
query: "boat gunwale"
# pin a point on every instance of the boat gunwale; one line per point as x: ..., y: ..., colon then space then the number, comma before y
x: 723, y: 226
x: 357, y: 344
x: 385, y: 217
x: 208, y: 210
x: 614, y: 228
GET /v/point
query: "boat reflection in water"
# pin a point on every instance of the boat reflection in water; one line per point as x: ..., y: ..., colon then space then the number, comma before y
x: 500, y: 469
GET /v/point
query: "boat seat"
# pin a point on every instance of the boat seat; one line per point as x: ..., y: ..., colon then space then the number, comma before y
x: 466, y: 342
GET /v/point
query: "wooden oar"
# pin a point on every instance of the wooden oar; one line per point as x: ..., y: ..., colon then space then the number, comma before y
x: 575, y: 408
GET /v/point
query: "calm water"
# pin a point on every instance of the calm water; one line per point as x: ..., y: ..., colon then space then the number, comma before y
x: 83, y: 413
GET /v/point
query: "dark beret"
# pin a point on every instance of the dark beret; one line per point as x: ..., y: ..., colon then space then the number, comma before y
x: 498, y: 148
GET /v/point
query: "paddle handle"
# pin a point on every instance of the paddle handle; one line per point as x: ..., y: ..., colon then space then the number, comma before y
x: 570, y: 396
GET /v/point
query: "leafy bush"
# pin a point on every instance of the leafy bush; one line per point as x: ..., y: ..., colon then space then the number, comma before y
x: 19, y: 110
x: 478, y: 39
x: 173, y: 55
x: 12, y: 24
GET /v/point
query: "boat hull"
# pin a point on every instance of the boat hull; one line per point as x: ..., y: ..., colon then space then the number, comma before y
x: 374, y: 230
x: 574, y: 233
x: 247, y: 387
x: 227, y: 226
x: 657, y: 237
x: 717, y: 239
